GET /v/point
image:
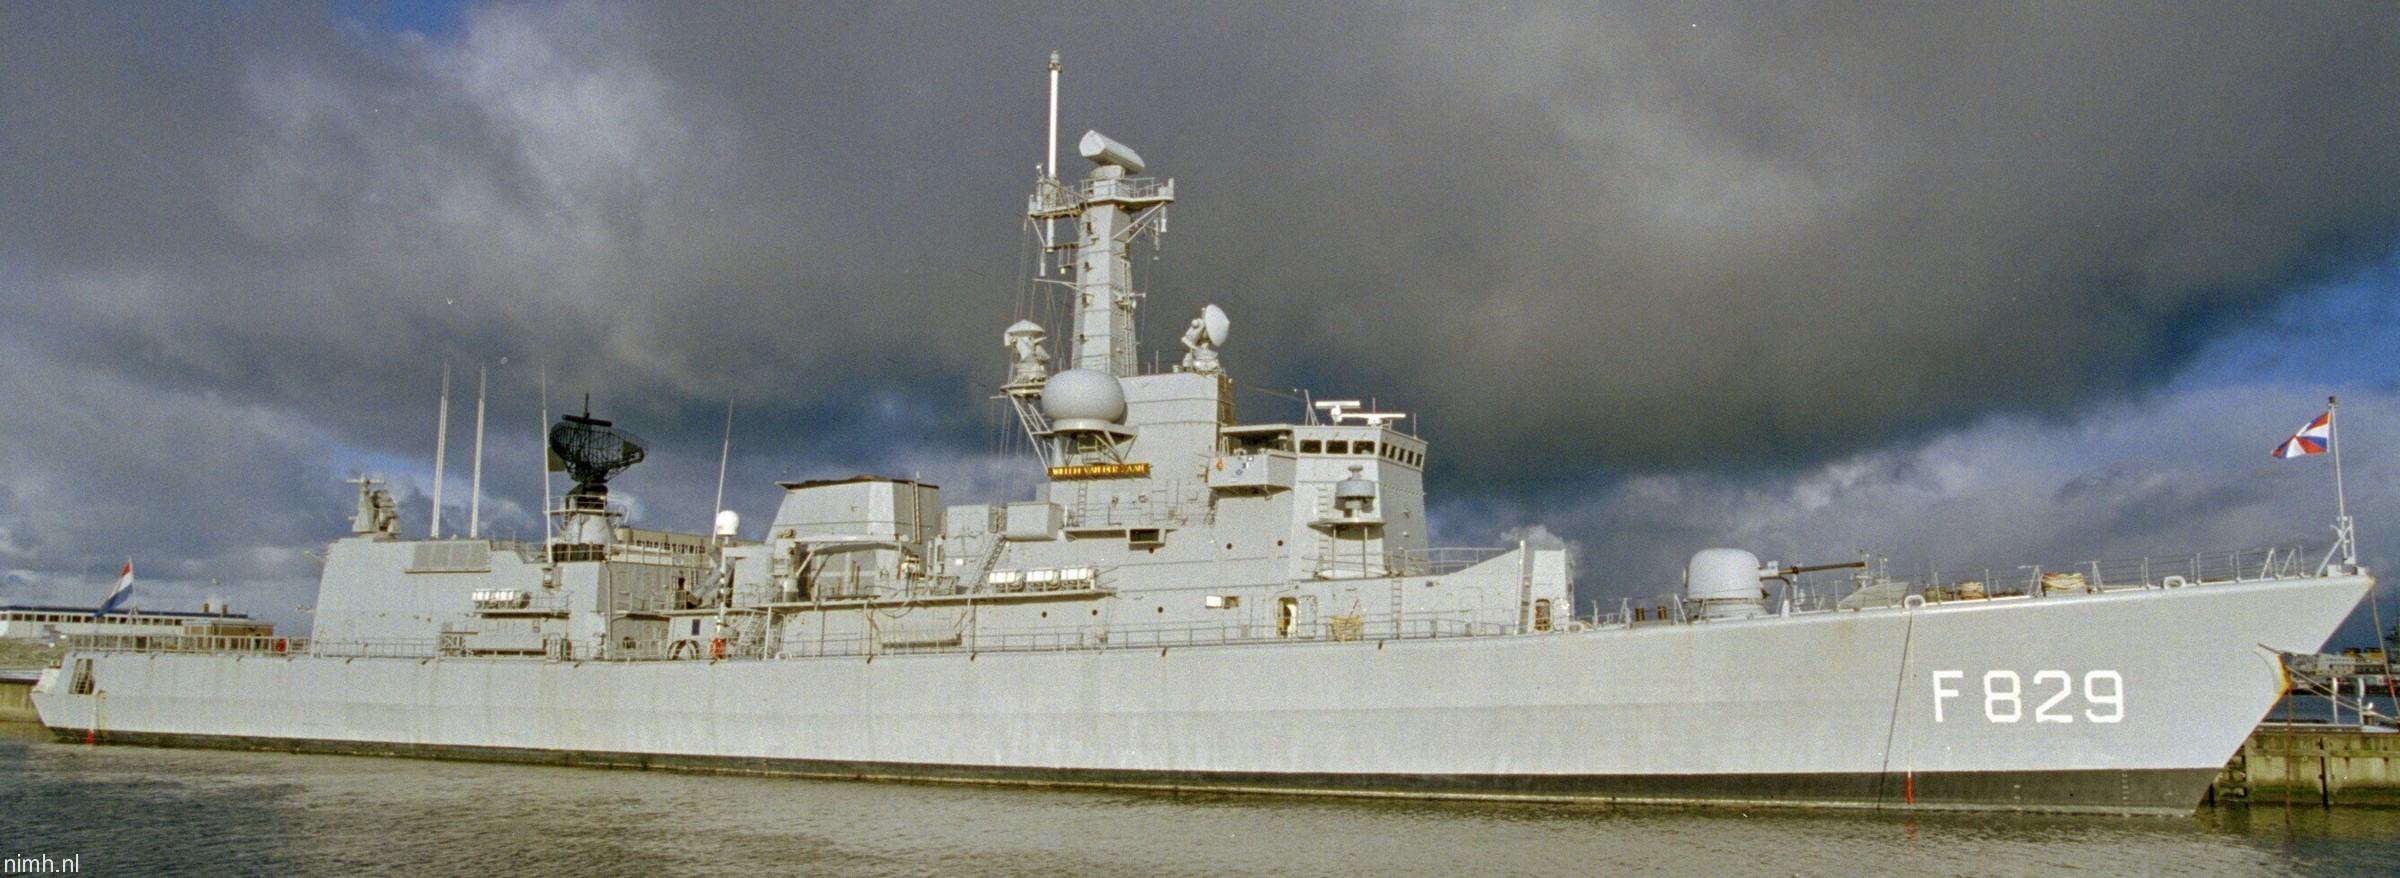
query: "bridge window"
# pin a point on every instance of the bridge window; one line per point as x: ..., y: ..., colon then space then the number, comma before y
x: 1311, y: 446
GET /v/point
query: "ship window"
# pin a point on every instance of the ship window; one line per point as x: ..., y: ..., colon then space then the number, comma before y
x: 1287, y: 616
x: 1337, y: 446
x: 1367, y: 448
x: 1311, y: 446
x: 1541, y: 615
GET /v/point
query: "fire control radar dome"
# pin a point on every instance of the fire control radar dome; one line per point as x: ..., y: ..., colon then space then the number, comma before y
x: 1083, y: 399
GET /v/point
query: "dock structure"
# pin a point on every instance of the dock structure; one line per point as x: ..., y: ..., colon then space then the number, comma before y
x: 16, y: 698
x: 2318, y: 767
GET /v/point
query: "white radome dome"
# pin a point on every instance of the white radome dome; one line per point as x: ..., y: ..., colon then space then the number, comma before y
x: 1083, y: 395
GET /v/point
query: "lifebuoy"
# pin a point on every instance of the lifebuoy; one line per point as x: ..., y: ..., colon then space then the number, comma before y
x: 716, y: 648
x: 281, y: 645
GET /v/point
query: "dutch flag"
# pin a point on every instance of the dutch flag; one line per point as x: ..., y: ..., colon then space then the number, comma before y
x: 119, y: 595
x: 2310, y: 440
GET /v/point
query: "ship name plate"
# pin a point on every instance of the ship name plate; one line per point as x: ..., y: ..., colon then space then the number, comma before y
x: 1101, y: 471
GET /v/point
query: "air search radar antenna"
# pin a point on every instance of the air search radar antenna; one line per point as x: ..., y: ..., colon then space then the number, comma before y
x: 1343, y: 411
x: 592, y: 451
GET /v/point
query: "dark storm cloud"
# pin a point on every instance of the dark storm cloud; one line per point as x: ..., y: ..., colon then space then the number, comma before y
x: 1791, y: 230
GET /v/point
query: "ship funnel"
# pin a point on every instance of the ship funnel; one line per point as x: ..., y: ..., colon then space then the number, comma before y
x: 1724, y: 583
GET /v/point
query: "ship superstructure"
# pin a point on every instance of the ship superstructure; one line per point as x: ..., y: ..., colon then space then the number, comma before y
x: 1193, y: 602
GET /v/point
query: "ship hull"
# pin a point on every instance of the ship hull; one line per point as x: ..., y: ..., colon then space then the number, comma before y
x: 2120, y: 702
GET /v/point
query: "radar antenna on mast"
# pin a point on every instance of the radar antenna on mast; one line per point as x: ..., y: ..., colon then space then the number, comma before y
x: 592, y: 451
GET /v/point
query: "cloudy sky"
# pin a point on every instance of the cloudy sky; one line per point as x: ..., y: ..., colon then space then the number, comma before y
x: 1959, y: 284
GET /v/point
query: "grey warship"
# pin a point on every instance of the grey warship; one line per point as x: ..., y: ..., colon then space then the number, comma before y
x: 1191, y: 602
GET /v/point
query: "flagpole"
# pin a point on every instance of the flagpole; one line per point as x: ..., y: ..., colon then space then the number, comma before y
x: 2345, y: 536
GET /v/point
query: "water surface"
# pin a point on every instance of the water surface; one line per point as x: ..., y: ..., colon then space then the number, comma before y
x: 143, y: 811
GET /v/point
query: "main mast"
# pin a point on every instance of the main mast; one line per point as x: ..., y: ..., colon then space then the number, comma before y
x: 1107, y: 211
x: 1110, y: 208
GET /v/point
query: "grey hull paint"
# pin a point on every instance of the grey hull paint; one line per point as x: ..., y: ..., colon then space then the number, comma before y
x: 1839, y: 708
x: 2158, y: 791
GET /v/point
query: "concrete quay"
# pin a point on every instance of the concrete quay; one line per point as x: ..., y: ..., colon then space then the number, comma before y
x: 2320, y: 767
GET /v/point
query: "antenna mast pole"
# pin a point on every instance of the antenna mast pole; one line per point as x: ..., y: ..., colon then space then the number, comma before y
x: 475, y: 482
x: 724, y: 454
x: 542, y: 440
x: 441, y: 447
x: 1050, y: 169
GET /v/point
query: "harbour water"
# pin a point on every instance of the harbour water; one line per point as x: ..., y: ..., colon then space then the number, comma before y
x: 140, y: 811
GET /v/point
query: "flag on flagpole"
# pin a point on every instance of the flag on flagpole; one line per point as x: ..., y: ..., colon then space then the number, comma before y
x: 2311, y: 439
x: 117, y: 596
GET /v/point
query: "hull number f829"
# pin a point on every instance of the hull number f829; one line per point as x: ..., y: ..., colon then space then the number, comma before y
x: 2044, y: 697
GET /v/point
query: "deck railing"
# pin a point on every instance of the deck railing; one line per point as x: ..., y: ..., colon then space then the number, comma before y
x: 2093, y: 577
x: 182, y: 643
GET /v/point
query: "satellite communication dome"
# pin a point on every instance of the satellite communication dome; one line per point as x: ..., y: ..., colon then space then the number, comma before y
x: 1083, y: 395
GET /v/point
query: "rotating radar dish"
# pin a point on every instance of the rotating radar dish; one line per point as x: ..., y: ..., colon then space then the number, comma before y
x: 592, y: 451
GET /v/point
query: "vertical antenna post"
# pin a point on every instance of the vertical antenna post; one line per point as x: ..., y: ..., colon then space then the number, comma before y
x: 1050, y: 169
x: 441, y: 447
x: 475, y: 481
x: 541, y: 440
x: 724, y: 453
